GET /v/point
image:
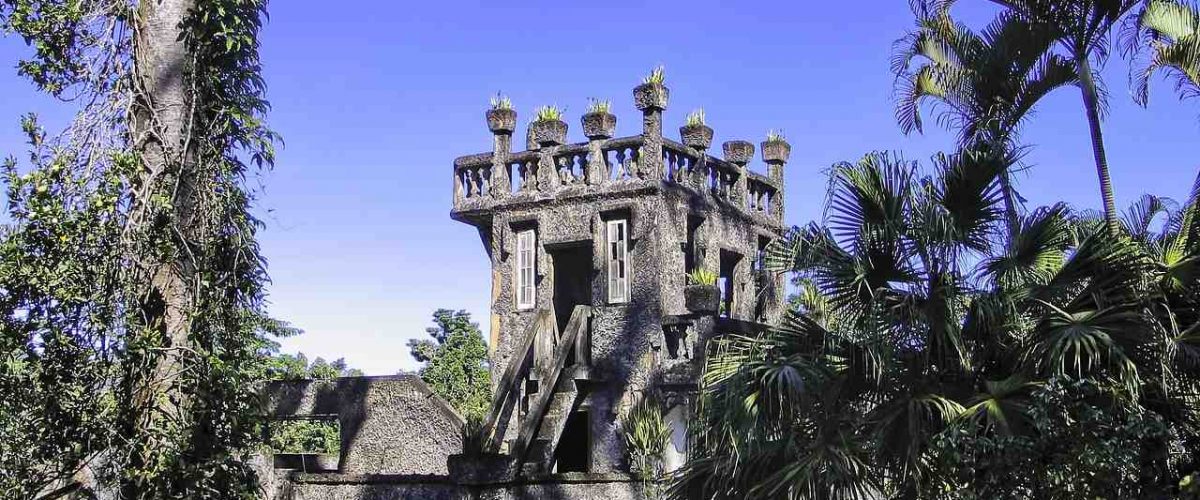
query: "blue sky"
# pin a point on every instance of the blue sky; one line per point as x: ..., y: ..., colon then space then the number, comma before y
x: 376, y: 98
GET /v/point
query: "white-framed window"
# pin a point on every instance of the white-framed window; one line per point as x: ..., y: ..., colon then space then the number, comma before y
x: 618, y: 260
x: 526, y: 258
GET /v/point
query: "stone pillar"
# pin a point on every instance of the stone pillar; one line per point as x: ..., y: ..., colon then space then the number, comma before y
x: 598, y: 127
x: 775, y: 153
x: 739, y: 153
x: 550, y: 135
x: 651, y: 100
x: 501, y: 122
x: 698, y: 138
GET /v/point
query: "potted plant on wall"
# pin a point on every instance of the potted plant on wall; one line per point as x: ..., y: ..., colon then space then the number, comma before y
x: 501, y: 117
x: 694, y: 133
x: 652, y: 94
x: 701, y: 295
x: 599, y: 122
x: 548, y: 127
x: 776, y: 147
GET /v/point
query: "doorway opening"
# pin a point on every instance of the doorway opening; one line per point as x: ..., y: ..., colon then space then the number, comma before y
x: 573, y: 447
x: 572, y: 280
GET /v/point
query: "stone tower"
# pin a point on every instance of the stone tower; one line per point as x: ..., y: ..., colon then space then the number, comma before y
x: 591, y: 244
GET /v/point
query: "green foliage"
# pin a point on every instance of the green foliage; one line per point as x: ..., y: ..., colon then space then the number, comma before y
x: 1073, y: 448
x: 696, y: 117
x: 305, y: 436
x: 92, y: 237
x: 548, y: 113
x: 599, y: 105
x: 774, y: 135
x: 933, y: 353
x: 702, y: 277
x: 501, y: 101
x: 456, y: 362
x: 297, y: 367
x: 1165, y: 36
x: 657, y: 76
x: 646, y: 438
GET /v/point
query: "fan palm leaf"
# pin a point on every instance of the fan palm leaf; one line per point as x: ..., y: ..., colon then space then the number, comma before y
x: 1165, y: 36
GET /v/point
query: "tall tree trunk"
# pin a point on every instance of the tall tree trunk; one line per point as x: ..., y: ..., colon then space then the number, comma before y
x: 1091, y: 104
x: 1010, y: 203
x: 160, y: 128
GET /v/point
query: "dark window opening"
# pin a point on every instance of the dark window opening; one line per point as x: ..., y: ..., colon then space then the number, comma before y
x: 725, y: 280
x: 761, y: 279
x: 574, y: 446
x: 691, y: 254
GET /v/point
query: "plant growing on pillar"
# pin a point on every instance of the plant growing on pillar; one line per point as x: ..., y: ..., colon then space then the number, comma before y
x: 646, y: 438
x: 695, y: 133
x: 599, y: 122
x: 776, y: 147
x: 652, y: 93
x: 701, y: 295
x: 548, y: 128
x: 501, y: 117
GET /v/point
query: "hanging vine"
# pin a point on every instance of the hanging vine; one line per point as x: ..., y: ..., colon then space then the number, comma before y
x: 159, y: 325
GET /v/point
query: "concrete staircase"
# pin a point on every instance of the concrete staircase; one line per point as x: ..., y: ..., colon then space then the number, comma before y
x: 539, y: 459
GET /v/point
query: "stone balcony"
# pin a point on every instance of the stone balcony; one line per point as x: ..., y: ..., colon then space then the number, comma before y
x: 609, y: 167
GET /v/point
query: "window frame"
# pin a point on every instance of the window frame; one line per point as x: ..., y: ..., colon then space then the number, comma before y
x: 526, y: 268
x: 618, y: 287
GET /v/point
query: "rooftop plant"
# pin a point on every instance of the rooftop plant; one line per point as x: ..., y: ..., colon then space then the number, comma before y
x: 657, y: 76
x: 702, y: 277
x: 695, y: 117
x: 599, y: 105
x: 501, y: 101
x: 548, y: 113
x: 774, y: 135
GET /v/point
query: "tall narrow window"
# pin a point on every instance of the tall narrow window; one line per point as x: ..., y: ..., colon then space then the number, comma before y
x: 618, y: 261
x: 526, y: 254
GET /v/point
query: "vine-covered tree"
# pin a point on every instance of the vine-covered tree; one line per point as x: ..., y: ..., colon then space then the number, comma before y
x: 132, y: 296
x: 456, y: 363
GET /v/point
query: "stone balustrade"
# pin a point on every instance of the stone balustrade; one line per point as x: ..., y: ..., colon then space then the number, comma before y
x: 549, y: 169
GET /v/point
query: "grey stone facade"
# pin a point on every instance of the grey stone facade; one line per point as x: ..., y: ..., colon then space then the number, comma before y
x: 590, y: 245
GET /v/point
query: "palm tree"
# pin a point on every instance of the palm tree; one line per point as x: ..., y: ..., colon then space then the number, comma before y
x: 925, y: 325
x: 985, y: 84
x: 1082, y: 28
x: 1166, y: 33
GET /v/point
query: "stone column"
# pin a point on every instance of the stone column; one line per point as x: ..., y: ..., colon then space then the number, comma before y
x: 775, y: 153
x: 698, y: 138
x: 739, y: 153
x: 651, y: 100
x: 501, y: 122
x: 550, y: 135
x: 598, y: 127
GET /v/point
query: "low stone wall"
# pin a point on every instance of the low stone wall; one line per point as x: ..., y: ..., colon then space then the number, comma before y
x: 389, y: 425
x: 328, y: 486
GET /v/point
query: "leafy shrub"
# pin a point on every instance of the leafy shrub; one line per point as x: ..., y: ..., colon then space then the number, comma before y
x: 702, y: 277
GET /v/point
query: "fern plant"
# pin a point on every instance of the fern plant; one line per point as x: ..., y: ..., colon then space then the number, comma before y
x: 599, y: 105
x: 549, y: 113
x: 501, y: 101
x: 657, y: 76
x: 647, y: 435
x: 702, y: 277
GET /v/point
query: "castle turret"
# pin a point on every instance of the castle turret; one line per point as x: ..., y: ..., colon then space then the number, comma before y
x: 591, y: 246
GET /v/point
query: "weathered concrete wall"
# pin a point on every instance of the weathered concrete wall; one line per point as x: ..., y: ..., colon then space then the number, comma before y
x: 389, y: 425
x: 376, y: 487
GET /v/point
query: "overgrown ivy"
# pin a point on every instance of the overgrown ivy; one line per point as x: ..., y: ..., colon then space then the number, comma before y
x: 94, y: 224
